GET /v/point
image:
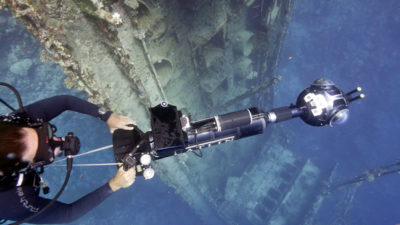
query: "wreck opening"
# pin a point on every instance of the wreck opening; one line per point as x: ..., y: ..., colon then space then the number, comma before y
x: 164, y: 70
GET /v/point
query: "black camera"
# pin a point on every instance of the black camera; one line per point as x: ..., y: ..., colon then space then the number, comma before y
x: 71, y: 144
x: 173, y: 133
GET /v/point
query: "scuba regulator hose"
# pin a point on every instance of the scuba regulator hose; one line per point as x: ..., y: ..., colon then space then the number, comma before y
x: 15, y: 93
x: 69, y: 169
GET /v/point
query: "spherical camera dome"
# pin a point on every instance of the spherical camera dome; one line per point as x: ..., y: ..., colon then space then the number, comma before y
x: 323, y: 103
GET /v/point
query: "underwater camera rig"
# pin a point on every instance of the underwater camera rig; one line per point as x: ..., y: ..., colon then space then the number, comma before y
x: 173, y: 133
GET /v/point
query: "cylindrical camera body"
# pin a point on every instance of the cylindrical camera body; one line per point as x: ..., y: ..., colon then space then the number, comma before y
x: 233, y: 119
x: 231, y: 126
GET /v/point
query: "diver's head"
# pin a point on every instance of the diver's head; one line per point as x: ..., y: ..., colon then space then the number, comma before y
x: 12, y: 148
x: 21, y: 146
x: 323, y: 103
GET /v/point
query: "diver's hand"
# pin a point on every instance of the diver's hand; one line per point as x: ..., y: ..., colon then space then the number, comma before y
x: 122, y: 179
x: 119, y: 122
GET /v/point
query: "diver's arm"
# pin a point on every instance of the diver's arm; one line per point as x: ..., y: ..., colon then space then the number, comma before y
x: 22, y: 202
x: 49, y: 108
x: 64, y: 213
x: 59, y: 212
x: 19, y: 203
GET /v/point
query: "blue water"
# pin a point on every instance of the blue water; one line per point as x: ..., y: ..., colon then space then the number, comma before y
x: 353, y: 43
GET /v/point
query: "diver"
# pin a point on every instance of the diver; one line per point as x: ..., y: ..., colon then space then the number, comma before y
x: 26, y: 139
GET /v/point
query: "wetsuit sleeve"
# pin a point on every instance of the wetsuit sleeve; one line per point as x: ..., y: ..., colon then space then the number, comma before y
x: 49, y: 108
x: 59, y: 212
x: 65, y: 213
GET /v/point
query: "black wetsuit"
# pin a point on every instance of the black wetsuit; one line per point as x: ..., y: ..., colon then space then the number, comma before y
x: 21, y: 202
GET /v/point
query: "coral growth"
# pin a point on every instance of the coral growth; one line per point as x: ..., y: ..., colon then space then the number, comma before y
x: 2, y: 4
x: 97, y: 9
